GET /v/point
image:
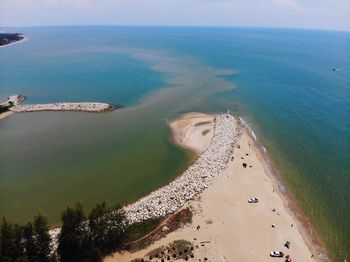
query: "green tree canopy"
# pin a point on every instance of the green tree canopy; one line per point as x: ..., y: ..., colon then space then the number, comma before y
x: 42, y: 239
x: 73, y: 232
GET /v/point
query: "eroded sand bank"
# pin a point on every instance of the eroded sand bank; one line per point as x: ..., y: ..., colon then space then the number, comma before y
x: 233, y: 229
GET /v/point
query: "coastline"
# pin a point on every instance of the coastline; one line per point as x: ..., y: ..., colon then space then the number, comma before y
x: 301, y: 237
x: 5, y: 115
x: 309, y: 234
x: 25, y: 38
x: 194, y: 180
x: 216, y: 152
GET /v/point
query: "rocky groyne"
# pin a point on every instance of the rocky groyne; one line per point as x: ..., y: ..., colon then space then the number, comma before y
x: 195, y: 179
x: 80, y: 107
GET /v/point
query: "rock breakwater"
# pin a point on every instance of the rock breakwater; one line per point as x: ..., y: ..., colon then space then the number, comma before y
x: 195, y: 179
x: 82, y: 107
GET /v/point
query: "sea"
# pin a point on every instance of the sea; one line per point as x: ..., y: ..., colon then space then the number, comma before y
x: 291, y: 86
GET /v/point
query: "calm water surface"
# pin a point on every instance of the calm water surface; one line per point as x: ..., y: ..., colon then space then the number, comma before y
x: 280, y: 81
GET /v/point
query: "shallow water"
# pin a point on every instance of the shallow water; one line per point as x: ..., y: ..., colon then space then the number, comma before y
x: 280, y: 81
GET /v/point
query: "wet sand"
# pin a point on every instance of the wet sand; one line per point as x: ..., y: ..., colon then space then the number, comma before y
x: 5, y: 114
x: 193, y: 131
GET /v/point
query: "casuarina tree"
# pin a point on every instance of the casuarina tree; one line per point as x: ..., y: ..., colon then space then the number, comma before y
x: 73, y: 234
x: 42, y: 238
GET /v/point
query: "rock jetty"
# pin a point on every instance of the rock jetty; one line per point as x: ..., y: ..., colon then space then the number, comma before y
x: 82, y: 107
x: 195, y: 179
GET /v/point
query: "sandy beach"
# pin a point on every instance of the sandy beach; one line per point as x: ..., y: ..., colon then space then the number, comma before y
x: 225, y: 227
x: 5, y: 114
x: 193, y: 131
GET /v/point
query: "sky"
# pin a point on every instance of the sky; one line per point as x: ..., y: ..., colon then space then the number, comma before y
x: 321, y: 14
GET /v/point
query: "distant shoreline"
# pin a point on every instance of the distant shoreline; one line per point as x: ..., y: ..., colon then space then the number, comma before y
x: 24, y: 39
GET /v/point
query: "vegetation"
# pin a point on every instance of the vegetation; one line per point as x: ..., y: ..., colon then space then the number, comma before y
x: 7, y: 38
x: 177, y: 250
x: 140, y: 229
x: 30, y: 242
x: 83, y: 238
x: 138, y: 235
x: 143, y: 234
x: 4, y: 108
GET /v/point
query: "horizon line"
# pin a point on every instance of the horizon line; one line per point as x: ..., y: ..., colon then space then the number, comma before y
x: 189, y: 26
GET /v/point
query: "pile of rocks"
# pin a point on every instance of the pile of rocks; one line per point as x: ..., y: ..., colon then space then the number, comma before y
x: 195, y: 179
x: 83, y: 107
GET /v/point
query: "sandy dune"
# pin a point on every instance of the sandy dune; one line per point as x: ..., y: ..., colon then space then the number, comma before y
x: 233, y: 229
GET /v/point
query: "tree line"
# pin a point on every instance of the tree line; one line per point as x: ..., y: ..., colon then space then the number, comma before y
x: 82, y: 238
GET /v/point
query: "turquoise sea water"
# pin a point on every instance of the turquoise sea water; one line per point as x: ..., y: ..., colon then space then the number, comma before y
x: 281, y: 81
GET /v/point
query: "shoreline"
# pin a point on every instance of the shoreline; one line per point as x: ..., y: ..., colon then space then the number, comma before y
x: 195, y: 179
x: 25, y: 38
x: 203, y: 203
x: 5, y: 115
x: 149, y: 207
x: 309, y: 234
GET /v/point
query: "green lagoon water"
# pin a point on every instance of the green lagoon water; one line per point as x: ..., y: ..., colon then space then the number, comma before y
x: 280, y: 81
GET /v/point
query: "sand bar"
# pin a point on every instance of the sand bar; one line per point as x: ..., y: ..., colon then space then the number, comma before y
x: 193, y: 131
x: 233, y: 229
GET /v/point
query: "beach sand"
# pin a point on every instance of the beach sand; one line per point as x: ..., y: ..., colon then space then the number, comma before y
x: 193, y: 131
x: 5, y: 114
x: 233, y: 229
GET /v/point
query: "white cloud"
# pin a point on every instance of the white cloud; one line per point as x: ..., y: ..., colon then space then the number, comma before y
x: 66, y: 3
x: 269, y: 13
x: 45, y: 3
x: 288, y: 4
